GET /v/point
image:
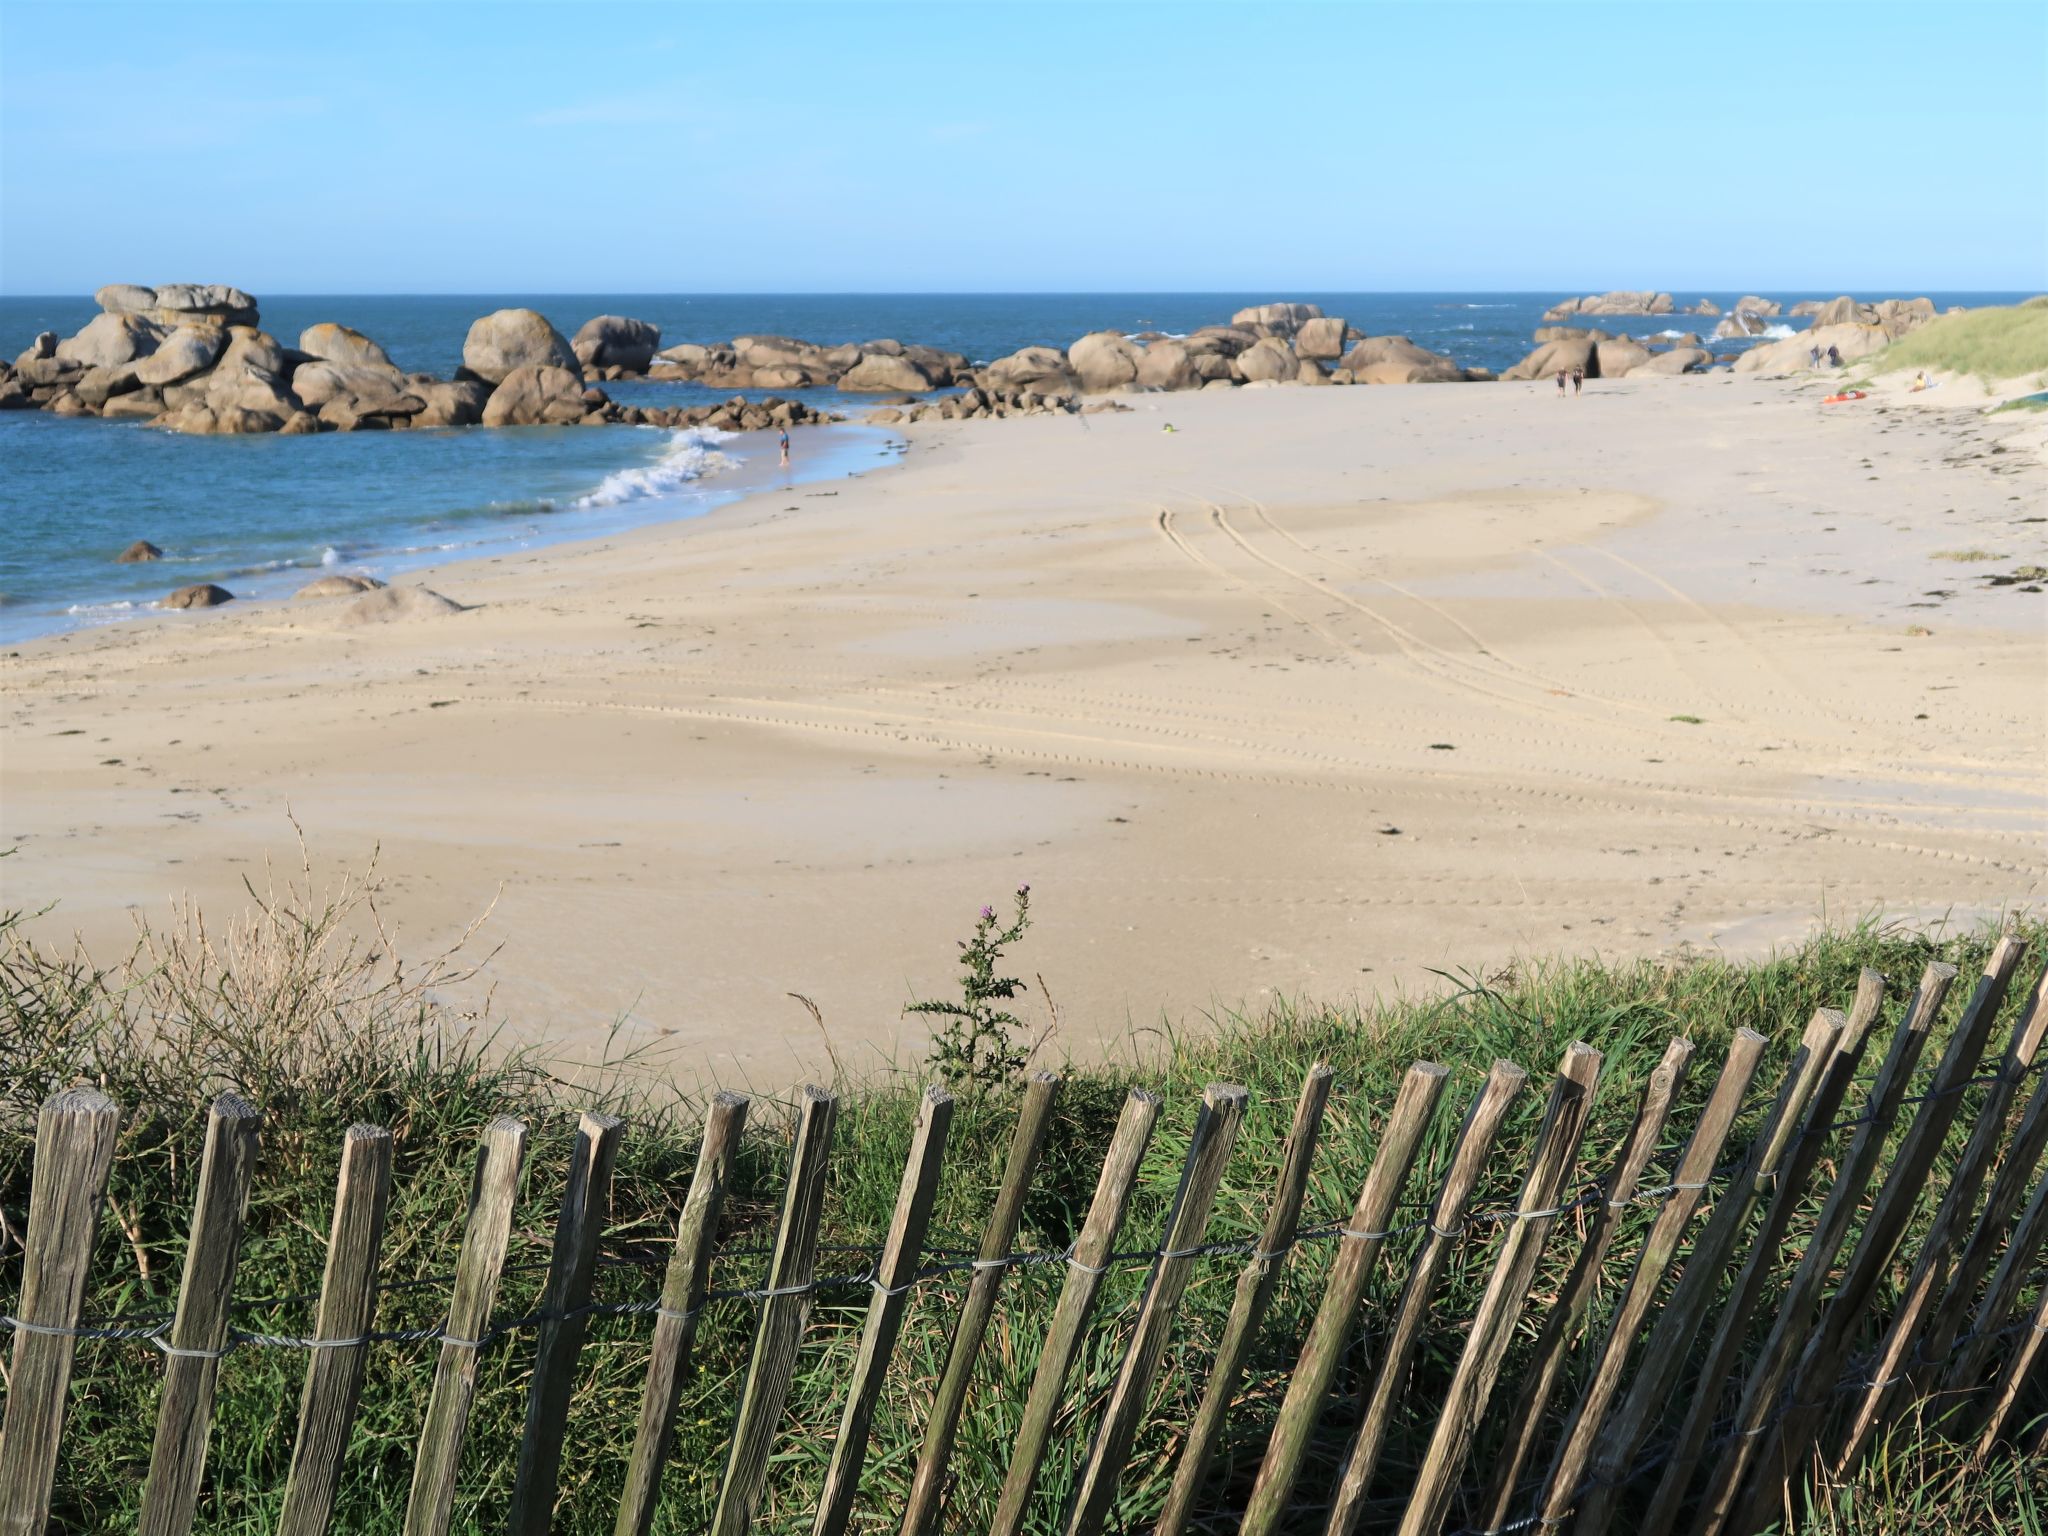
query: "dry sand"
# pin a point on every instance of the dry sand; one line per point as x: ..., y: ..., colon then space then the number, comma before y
x: 1315, y: 694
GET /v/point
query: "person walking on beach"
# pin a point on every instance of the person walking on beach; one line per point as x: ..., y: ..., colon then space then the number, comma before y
x: 1560, y: 383
x: 1578, y: 380
x: 782, y: 442
x: 1834, y: 357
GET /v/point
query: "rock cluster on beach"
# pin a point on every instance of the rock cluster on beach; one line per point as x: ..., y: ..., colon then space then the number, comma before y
x: 192, y: 358
x: 1853, y: 329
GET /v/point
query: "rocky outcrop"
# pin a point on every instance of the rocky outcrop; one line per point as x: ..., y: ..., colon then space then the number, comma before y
x: 1555, y: 356
x: 881, y: 373
x: 510, y: 339
x: 1276, y: 319
x: 1622, y: 301
x: 1321, y: 337
x: 613, y: 341
x: 1735, y: 326
x: 1895, y: 316
x: 1267, y: 360
x: 1033, y: 368
x: 112, y: 338
x: 1850, y: 340
x: 1705, y: 307
x: 141, y: 552
x: 1168, y: 364
x: 1397, y: 360
x: 1102, y: 361
x: 1679, y: 360
x: 205, y: 595
x: 188, y: 350
x: 337, y: 344
x: 535, y: 396
x: 1617, y: 359
x: 1750, y: 304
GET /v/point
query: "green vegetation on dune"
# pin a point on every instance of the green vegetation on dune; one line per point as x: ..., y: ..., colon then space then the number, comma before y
x: 1992, y: 344
x: 285, y: 1011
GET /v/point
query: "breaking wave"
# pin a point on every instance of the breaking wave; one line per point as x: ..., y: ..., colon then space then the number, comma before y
x: 690, y: 455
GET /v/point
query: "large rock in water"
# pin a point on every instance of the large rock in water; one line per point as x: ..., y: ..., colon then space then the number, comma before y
x: 1285, y: 319
x: 203, y: 303
x: 1321, y: 337
x: 1397, y: 360
x: 536, y: 396
x: 108, y: 340
x: 318, y: 382
x: 188, y: 350
x: 125, y: 299
x: 141, y: 552
x: 460, y: 404
x: 1622, y: 301
x: 332, y: 343
x: 509, y: 339
x: 878, y: 373
x: 1103, y: 360
x: 205, y: 595
x: 1028, y: 368
x: 1750, y: 304
x: 613, y: 341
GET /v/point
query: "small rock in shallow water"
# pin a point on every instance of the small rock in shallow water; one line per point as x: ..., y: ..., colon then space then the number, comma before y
x: 205, y: 595
x: 138, y: 552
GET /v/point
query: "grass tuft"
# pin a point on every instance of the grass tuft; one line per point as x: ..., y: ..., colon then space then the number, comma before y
x: 1992, y: 344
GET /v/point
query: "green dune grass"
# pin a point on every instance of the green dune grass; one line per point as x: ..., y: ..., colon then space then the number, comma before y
x: 1992, y: 344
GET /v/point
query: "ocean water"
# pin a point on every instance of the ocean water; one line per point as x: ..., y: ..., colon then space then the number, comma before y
x: 258, y: 513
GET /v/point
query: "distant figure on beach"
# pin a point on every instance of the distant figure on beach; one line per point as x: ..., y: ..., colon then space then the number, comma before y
x: 1578, y: 380
x: 1560, y: 383
x: 782, y: 441
x: 1814, y: 353
x: 1834, y: 357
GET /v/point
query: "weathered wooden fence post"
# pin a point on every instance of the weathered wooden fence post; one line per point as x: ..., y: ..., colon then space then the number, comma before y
x: 1445, y: 1231
x: 682, y: 1296
x: 348, y: 1302
x: 1568, y: 1312
x: 1664, y: 1352
x: 1186, y: 1224
x: 1255, y: 1286
x: 1689, y: 1187
x: 586, y: 1202
x: 75, y: 1135
x: 199, y: 1337
x: 1041, y: 1091
x: 1550, y: 1170
x: 493, y: 1192
x: 784, y: 1311
x: 1309, y: 1383
x: 1086, y: 1266
x: 894, y: 1275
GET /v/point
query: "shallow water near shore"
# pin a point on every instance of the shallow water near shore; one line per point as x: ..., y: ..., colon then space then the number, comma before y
x: 257, y: 514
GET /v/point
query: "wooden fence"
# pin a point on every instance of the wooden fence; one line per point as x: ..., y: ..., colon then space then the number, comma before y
x: 1641, y: 1443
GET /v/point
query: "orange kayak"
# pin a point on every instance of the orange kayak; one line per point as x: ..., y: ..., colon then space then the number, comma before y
x: 1847, y: 394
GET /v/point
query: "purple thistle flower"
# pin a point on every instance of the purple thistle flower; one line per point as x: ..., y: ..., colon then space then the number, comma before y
x: 988, y: 912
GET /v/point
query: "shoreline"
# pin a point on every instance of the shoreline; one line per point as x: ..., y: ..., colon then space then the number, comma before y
x: 1256, y: 707
x: 848, y: 448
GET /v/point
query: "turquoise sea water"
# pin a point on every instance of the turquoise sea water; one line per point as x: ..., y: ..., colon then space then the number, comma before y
x: 257, y: 513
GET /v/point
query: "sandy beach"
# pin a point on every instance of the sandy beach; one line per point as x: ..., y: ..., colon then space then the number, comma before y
x: 1315, y: 694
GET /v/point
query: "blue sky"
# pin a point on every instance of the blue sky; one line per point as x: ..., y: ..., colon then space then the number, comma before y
x: 440, y: 147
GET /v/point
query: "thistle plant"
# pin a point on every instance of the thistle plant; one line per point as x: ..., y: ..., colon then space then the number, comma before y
x: 976, y: 1043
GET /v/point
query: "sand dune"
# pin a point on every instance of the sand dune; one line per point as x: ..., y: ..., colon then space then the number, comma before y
x: 1318, y: 692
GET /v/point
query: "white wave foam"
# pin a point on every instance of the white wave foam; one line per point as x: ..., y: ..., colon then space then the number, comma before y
x: 100, y: 613
x: 1776, y: 333
x: 688, y: 456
